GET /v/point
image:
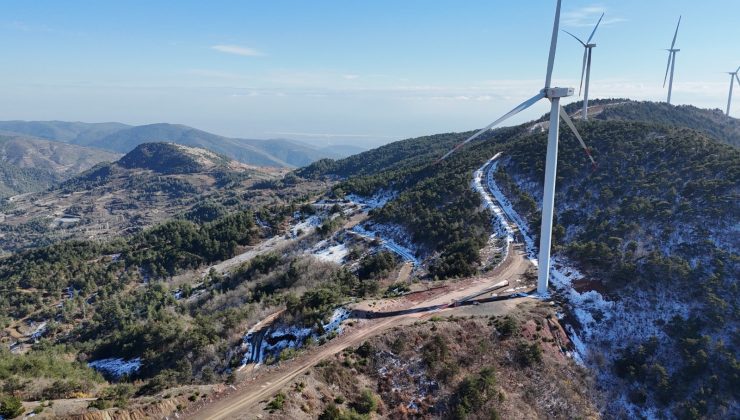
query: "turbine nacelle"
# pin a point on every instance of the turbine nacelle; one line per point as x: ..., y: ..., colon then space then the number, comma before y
x: 557, y: 92
x: 590, y: 45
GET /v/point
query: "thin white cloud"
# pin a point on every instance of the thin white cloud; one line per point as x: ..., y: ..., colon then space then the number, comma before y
x: 588, y: 16
x: 326, y: 135
x: 214, y: 74
x: 27, y: 27
x: 350, y: 76
x: 237, y: 50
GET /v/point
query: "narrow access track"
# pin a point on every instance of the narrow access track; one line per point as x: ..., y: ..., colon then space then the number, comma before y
x: 242, y: 401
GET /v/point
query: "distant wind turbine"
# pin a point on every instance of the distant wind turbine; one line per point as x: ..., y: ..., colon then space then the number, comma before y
x: 733, y: 77
x: 548, y: 200
x: 671, y: 61
x: 586, y: 67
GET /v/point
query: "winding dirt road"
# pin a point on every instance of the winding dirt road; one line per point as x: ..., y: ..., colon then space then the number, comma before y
x: 243, y: 400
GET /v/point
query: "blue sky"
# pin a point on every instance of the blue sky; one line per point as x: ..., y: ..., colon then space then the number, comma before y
x: 345, y: 71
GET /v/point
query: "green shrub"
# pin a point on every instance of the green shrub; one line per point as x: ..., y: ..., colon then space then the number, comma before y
x: 528, y: 354
x: 366, y: 403
x: 10, y: 406
x: 508, y: 327
x: 100, y: 404
x: 277, y: 402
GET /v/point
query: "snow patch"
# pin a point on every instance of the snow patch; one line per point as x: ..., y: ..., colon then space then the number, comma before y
x: 258, y: 347
x: 305, y: 226
x: 335, y: 253
x: 405, y: 253
x: 116, y: 367
x: 376, y: 201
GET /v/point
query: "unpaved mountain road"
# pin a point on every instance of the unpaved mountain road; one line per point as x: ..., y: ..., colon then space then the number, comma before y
x: 243, y: 401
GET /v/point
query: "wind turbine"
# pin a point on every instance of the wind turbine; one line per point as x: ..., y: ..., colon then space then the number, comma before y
x: 671, y: 61
x: 733, y: 77
x: 548, y: 200
x: 586, y: 67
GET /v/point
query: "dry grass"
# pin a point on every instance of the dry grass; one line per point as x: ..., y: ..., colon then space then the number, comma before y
x: 415, y: 379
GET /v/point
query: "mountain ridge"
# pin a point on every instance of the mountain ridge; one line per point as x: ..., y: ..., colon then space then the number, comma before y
x: 32, y: 164
x: 123, y: 138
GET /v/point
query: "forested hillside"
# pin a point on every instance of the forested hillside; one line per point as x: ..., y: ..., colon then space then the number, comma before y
x: 712, y: 122
x: 658, y: 217
x: 435, y: 202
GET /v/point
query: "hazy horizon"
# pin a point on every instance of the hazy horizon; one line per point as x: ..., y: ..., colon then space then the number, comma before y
x: 332, y: 73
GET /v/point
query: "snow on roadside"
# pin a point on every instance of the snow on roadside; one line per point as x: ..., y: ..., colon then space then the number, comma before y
x: 504, y: 205
x: 587, y: 307
x: 602, y: 327
x: 116, y: 367
x: 501, y: 226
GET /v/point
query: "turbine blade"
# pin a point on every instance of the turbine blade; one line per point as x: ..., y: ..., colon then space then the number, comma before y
x: 553, y: 45
x: 667, y: 67
x: 566, y: 118
x: 583, y: 70
x: 577, y: 39
x: 519, y: 108
x: 738, y: 69
x: 738, y: 79
x: 676, y: 34
x: 594, y: 31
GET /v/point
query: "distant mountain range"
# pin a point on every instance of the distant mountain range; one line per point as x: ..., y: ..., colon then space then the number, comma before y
x: 123, y: 138
x: 29, y: 164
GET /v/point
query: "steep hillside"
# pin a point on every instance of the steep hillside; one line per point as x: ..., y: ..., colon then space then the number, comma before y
x: 122, y: 138
x: 30, y: 164
x: 655, y: 231
x: 657, y: 221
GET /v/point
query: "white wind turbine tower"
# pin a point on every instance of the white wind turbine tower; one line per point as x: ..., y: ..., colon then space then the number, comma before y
x: 586, y: 67
x: 548, y: 200
x: 671, y: 61
x: 733, y: 77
